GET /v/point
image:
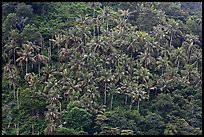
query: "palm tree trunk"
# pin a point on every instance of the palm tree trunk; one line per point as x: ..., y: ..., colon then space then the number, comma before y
x: 14, y: 57
x: 178, y: 63
x: 105, y: 94
x: 26, y: 67
x: 131, y: 54
x: 138, y: 104
x: 98, y: 27
x: 107, y: 23
x: 21, y: 67
x: 131, y: 104
x: 170, y: 39
x: 111, y: 102
x: 94, y: 24
x: 33, y: 132
x: 148, y: 94
x: 16, y: 97
x: 126, y: 97
x: 39, y: 69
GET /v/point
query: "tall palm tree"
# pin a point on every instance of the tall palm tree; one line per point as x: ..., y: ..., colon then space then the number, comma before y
x: 196, y: 59
x: 26, y: 56
x: 163, y: 63
x: 58, y: 40
x: 64, y: 54
x: 189, y: 48
x: 137, y: 94
x: 179, y: 57
x: 105, y: 77
x: 41, y: 59
x: 10, y: 50
x: 10, y: 72
x: 113, y: 89
x: 143, y: 76
x: 190, y: 72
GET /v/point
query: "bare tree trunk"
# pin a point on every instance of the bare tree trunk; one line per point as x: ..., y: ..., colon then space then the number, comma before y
x: 16, y: 97
x: 105, y: 94
x: 26, y: 67
x: 178, y: 63
x: 94, y: 24
x: 131, y: 104
x: 138, y: 104
x: 111, y: 102
x: 126, y: 97
x: 170, y: 39
x: 39, y: 69
x: 14, y: 57
x: 21, y: 67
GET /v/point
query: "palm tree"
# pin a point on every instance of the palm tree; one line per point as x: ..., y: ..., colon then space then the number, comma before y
x: 133, y: 46
x: 189, y: 49
x: 26, y: 56
x: 50, y: 129
x: 58, y: 40
x: 119, y: 74
x: 163, y: 63
x: 178, y: 56
x: 137, y: 94
x: 143, y: 76
x: 197, y: 59
x: 146, y: 59
x: 189, y: 72
x: 92, y: 91
x: 126, y: 88
x: 64, y: 54
x: 10, y: 49
x: 10, y: 72
x: 105, y: 77
x: 41, y: 59
x: 105, y: 15
x: 83, y: 29
x: 113, y: 89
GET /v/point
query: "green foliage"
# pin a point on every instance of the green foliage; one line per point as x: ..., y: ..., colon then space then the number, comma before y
x: 76, y: 118
x: 23, y: 10
x: 66, y: 131
x: 101, y: 68
x: 30, y: 29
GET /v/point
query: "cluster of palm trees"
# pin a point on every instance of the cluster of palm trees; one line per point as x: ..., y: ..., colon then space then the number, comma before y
x: 103, y: 57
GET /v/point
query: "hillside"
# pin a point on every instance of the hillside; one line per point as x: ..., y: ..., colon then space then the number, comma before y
x: 102, y: 68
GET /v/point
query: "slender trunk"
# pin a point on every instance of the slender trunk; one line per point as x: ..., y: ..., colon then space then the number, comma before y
x: 98, y: 27
x: 14, y: 92
x: 131, y: 54
x: 105, y: 94
x: 131, y: 104
x: 138, y: 104
x: 126, y: 97
x: 16, y: 97
x: 107, y: 23
x: 33, y: 132
x: 60, y: 107
x: 170, y: 39
x: 41, y: 45
x: 21, y: 67
x: 39, y: 69
x: 178, y: 63
x: 26, y: 67
x: 148, y: 94
x: 94, y: 24
x: 111, y: 102
x: 14, y: 57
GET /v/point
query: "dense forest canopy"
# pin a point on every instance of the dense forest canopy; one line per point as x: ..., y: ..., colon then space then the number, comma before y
x: 102, y: 68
